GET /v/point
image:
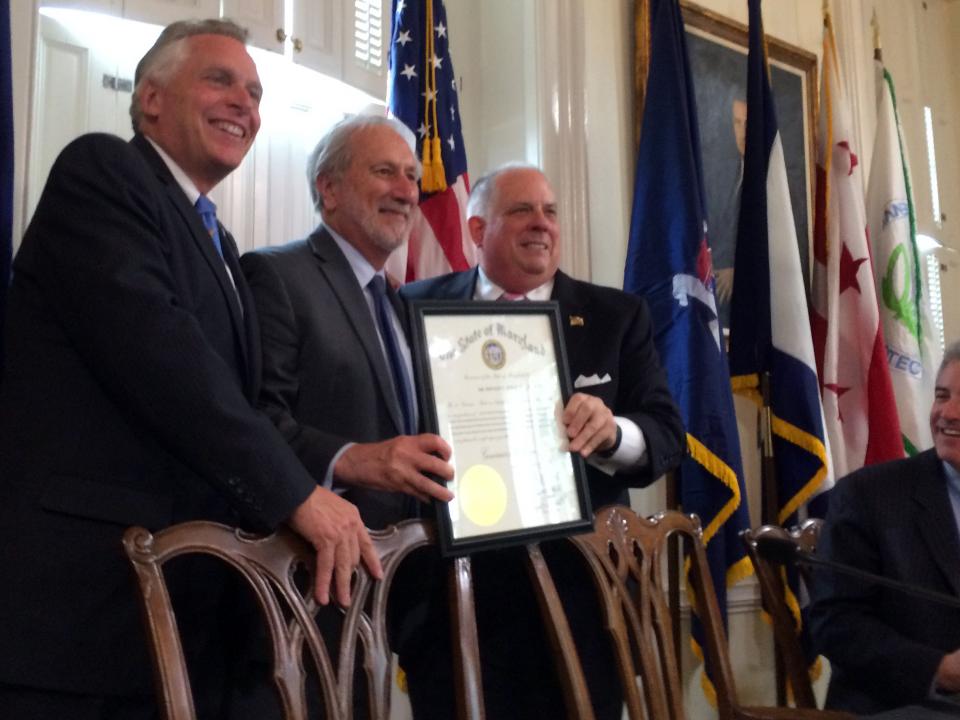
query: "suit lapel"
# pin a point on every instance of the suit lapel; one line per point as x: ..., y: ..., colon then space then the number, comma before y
x: 573, y: 319
x: 193, y: 224
x: 934, y: 517
x: 462, y: 285
x: 250, y: 336
x: 339, y: 275
x: 564, y: 292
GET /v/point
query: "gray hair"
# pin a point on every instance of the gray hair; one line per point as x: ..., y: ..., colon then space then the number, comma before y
x: 168, y: 52
x: 951, y: 354
x: 332, y: 155
x: 481, y: 194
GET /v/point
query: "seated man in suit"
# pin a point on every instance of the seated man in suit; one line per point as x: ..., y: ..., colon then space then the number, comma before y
x: 621, y: 419
x: 337, y: 372
x: 900, y: 520
x: 131, y: 368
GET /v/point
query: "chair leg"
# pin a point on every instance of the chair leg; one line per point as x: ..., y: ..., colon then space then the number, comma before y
x: 466, y: 644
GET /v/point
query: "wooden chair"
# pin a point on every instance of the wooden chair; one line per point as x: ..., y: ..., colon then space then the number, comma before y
x: 772, y: 588
x: 628, y: 557
x: 269, y: 565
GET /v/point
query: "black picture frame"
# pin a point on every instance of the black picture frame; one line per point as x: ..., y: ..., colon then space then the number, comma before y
x: 491, y: 322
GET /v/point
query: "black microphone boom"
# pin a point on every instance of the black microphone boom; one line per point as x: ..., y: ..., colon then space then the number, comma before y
x: 784, y: 551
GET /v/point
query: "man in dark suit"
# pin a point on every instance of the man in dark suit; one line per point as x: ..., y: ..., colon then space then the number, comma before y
x: 900, y: 520
x: 132, y: 362
x: 337, y: 382
x: 328, y: 381
x: 621, y: 419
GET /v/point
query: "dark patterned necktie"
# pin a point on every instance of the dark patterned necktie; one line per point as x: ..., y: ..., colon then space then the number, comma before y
x: 398, y: 369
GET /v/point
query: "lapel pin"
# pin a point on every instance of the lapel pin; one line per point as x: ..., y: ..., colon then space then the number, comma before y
x: 576, y: 321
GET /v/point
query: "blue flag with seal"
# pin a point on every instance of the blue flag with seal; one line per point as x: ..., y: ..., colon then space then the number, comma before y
x: 668, y: 263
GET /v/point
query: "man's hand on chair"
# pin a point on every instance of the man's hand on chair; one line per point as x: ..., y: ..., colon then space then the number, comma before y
x: 333, y: 526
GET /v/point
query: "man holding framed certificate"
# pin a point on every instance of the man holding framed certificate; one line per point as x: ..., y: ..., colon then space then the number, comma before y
x: 621, y: 419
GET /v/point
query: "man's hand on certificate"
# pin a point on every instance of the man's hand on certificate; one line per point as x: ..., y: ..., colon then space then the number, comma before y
x: 401, y: 464
x: 334, y: 528
x: 590, y: 424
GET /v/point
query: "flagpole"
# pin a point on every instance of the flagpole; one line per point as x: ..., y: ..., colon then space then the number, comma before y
x: 770, y: 507
x: 768, y: 469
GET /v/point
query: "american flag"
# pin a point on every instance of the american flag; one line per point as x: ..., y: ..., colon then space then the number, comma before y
x: 423, y: 95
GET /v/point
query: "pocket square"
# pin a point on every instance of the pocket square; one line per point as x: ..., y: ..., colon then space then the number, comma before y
x: 582, y: 382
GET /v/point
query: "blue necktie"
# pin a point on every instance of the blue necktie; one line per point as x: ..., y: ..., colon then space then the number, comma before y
x: 398, y: 370
x: 208, y: 213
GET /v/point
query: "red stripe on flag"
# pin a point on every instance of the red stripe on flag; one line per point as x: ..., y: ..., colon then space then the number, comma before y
x: 444, y: 213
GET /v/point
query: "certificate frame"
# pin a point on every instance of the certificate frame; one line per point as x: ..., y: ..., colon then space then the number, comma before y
x: 486, y: 331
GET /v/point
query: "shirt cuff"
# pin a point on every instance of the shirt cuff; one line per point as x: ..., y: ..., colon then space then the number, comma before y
x: 328, y: 478
x: 632, y: 453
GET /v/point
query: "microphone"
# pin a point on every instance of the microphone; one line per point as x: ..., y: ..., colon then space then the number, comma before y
x: 784, y: 551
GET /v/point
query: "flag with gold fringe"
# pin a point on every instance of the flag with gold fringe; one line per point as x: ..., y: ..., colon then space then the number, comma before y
x: 769, y: 324
x: 423, y: 95
x: 668, y: 263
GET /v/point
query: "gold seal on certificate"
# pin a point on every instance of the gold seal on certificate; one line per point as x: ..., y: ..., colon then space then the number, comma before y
x: 493, y: 354
x: 494, y: 386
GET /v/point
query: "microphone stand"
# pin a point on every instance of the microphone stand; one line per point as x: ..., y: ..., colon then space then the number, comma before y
x: 785, y: 551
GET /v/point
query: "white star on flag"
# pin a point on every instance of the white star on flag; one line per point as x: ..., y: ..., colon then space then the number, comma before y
x: 440, y: 239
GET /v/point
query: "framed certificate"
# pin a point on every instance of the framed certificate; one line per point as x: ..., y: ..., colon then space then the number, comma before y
x: 493, y: 383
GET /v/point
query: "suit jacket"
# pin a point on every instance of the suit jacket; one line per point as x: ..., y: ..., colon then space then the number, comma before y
x: 606, y: 332
x: 130, y: 372
x: 893, y: 519
x: 325, y: 379
x: 615, y: 338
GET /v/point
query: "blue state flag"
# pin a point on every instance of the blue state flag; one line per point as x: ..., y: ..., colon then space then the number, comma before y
x: 668, y: 263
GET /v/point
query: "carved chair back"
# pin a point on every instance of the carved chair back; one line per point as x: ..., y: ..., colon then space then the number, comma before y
x: 629, y: 559
x: 279, y: 569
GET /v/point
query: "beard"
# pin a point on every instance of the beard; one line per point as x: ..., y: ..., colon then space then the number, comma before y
x: 387, y: 236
